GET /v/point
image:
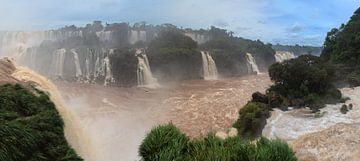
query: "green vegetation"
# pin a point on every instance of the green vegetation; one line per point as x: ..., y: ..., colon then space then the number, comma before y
x: 252, y: 119
x: 342, y: 48
x: 344, y: 109
x: 30, y: 127
x: 302, y: 82
x: 305, y: 81
x: 229, y: 52
x: 166, y: 142
x: 124, y: 66
x: 173, y: 56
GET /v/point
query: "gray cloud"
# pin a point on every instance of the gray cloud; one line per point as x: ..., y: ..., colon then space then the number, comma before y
x: 296, y: 28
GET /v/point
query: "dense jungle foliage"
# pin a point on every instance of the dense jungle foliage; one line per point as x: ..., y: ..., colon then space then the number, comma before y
x: 30, y: 127
x: 166, y: 142
x: 342, y: 47
x: 174, y: 56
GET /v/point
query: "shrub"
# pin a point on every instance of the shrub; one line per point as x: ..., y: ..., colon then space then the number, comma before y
x: 30, y: 127
x: 306, y: 79
x: 212, y: 148
x: 252, y: 118
x: 344, y: 109
x: 354, y: 78
x: 273, y: 150
x: 164, y: 142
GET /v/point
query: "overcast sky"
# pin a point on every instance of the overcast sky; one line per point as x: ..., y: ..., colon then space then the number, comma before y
x: 303, y: 22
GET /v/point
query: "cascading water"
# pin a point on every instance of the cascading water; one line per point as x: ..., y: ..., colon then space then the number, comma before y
x: 87, y: 68
x: 281, y: 56
x: 144, y: 75
x: 136, y: 36
x: 209, y: 67
x: 74, y: 130
x: 252, y: 66
x: 108, y: 75
x: 104, y: 35
x: 200, y: 39
x: 77, y: 63
x: 58, y: 60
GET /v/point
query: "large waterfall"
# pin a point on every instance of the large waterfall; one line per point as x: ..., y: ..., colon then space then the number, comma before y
x: 281, y: 56
x: 104, y: 35
x: 58, y: 63
x: 144, y: 75
x: 252, y: 66
x: 75, y: 132
x: 77, y: 63
x: 209, y: 67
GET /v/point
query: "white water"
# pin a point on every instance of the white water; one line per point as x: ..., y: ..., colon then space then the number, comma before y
x: 87, y: 68
x: 75, y: 132
x: 77, y: 63
x: 209, y: 67
x: 290, y: 125
x: 144, y: 75
x: 200, y: 39
x: 104, y: 35
x: 58, y: 60
x: 251, y: 62
x: 108, y: 75
x: 136, y: 36
x: 281, y: 56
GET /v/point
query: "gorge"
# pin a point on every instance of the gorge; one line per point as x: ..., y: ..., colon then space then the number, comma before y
x: 214, y: 94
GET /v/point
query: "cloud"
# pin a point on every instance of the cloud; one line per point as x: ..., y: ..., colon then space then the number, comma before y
x: 296, y: 28
x: 267, y: 20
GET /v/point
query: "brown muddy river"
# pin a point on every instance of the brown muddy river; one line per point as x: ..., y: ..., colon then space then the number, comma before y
x: 117, y: 119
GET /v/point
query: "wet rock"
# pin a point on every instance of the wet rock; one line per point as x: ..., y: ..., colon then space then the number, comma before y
x: 259, y: 97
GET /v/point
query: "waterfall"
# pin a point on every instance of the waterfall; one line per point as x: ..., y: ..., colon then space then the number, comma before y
x: 281, y: 56
x: 144, y: 75
x: 77, y: 63
x: 209, y: 67
x: 199, y: 38
x: 252, y: 66
x: 87, y: 68
x: 104, y: 35
x: 75, y: 132
x: 108, y: 75
x: 136, y: 36
x: 58, y: 59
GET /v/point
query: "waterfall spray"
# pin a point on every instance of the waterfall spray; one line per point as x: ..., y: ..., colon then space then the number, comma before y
x: 77, y: 64
x: 108, y: 75
x: 209, y: 67
x: 75, y: 132
x: 144, y: 75
x: 281, y: 56
x: 58, y: 59
x: 252, y: 66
